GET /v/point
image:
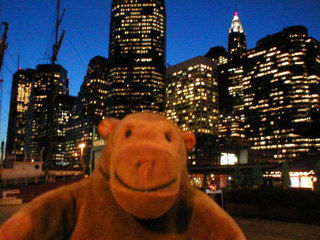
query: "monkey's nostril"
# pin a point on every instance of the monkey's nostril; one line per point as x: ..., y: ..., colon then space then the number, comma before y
x: 128, y: 133
x: 138, y: 164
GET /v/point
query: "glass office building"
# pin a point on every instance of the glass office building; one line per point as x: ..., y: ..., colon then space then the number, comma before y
x: 136, y: 80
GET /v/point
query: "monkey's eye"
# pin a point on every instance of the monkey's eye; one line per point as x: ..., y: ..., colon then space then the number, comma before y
x: 128, y: 133
x: 168, y: 137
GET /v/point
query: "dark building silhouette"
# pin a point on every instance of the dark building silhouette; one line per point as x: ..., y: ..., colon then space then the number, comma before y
x: 136, y: 80
x: 88, y: 111
x: 36, y: 143
x: 218, y: 54
x: 20, y: 94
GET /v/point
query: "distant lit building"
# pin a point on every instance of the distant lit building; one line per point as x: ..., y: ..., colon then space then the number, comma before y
x: 89, y: 109
x: 230, y: 82
x: 20, y: 94
x: 37, y: 144
x: 281, y: 89
x: 136, y: 80
x: 237, y: 44
x: 192, y: 103
x: 237, y: 47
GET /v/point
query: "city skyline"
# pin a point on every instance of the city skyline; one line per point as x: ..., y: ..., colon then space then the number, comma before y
x: 191, y: 31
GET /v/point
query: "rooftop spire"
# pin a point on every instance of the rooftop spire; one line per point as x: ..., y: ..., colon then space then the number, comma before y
x: 236, y: 25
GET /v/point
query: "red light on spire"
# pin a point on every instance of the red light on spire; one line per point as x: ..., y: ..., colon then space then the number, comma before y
x: 236, y: 13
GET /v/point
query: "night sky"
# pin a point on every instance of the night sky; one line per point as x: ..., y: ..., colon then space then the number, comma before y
x: 193, y: 27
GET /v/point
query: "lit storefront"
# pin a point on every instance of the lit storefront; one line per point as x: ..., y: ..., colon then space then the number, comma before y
x: 302, y: 172
x: 297, y: 179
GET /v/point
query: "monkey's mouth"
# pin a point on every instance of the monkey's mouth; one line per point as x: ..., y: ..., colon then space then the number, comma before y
x: 142, y: 189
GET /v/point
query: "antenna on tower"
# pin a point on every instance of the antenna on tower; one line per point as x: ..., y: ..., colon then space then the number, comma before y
x: 19, y: 60
x: 235, y: 6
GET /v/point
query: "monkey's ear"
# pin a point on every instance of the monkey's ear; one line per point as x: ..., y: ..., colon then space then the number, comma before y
x: 106, y: 126
x: 189, y: 139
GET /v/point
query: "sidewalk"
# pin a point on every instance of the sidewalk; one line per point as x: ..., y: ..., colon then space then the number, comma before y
x: 254, y: 229
x: 260, y: 229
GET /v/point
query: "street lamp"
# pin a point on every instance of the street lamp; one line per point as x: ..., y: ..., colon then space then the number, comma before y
x: 82, y: 146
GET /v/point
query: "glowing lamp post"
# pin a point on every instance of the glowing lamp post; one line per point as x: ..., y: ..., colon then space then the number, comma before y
x: 82, y: 146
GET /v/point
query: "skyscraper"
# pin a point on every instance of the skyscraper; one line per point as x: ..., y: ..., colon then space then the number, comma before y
x: 20, y: 94
x: 136, y: 80
x: 237, y: 44
x: 192, y: 103
x: 230, y: 82
x: 36, y: 144
x: 281, y: 89
x: 237, y: 47
x: 88, y: 111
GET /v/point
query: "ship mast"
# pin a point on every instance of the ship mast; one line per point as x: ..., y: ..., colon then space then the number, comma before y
x: 54, y: 87
x: 3, y: 43
x: 3, y: 47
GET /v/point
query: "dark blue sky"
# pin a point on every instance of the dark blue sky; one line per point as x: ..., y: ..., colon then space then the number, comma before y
x: 193, y: 27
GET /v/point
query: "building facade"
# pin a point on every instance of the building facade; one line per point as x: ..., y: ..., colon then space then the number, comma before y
x: 20, y: 94
x: 281, y: 89
x: 192, y: 103
x: 37, y: 145
x: 89, y: 109
x: 136, y: 80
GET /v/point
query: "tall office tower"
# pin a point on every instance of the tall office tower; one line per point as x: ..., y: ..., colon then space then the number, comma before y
x: 237, y: 47
x: 88, y: 111
x: 192, y: 103
x: 237, y: 44
x: 231, y: 83
x: 281, y: 90
x: 136, y: 80
x: 20, y: 94
x: 35, y: 147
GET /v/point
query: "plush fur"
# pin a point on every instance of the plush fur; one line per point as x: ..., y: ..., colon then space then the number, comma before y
x: 139, y: 190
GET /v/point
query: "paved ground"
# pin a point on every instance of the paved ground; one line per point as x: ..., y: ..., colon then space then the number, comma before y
x: 254, y: 229
x: 259, y: 229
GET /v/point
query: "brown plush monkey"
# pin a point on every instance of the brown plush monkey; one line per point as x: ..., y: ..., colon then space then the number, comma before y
x: 139, y: 190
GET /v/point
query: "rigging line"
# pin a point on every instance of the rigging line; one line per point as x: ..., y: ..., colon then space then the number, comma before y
x: 50, y: 33
x: 76, y: 51
x: 8, y: 69
x: 14, y: 61
x: 80, y: 59
x: 86, y: 42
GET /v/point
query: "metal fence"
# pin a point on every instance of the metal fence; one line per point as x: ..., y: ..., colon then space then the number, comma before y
x: 20, y: 182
